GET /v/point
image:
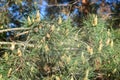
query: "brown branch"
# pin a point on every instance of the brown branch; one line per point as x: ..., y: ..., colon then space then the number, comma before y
x: 26, y: 32
x: 60, y: 5
x: 13, y: 29
x: 17, y: 43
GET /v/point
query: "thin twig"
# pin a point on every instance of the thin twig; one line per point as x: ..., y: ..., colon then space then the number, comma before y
x: 58, y: 5
x: 17, y: 43
x: 61, y: 5
x: 23, y: 33
x: 13, y: 29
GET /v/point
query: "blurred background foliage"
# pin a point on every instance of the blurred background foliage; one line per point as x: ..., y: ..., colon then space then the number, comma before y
x: 16, y: 11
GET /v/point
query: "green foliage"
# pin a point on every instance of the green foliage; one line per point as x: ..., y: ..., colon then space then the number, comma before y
x: 64, y: 52
x: 102, y: 40
x: 59, y: 51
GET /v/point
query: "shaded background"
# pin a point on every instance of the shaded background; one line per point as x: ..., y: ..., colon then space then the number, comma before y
x: 17, y: 11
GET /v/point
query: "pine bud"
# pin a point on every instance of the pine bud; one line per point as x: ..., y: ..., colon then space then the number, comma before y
x: 12, y: 46
x: 37, y: 16
x: 59, y: 20
x: 9, y: 72
x: 52, y: 28
x: 108, y: 41
x: 19, y: 53
x: 46, y: 48
x: 29, y: 20
x: 86, y: 75
x: 90, y: 50
x: 83, y: 58
x: 100, y: 46
x: 48, y: 35
x: 111, y: 43
x: 94, y: 22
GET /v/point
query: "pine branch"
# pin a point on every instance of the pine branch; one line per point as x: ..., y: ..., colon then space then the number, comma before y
x: 17, y: 43
x: 23, y: 33
x: 13, y: 29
